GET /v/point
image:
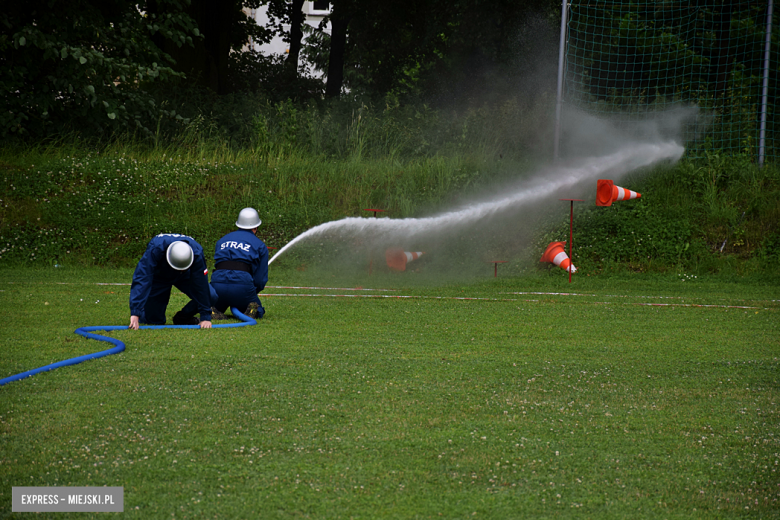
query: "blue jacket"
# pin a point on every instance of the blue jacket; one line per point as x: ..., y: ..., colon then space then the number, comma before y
x: 153, y: 268
x: 242, y: 246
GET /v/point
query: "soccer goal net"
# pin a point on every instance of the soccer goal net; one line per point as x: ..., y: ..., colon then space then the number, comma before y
x: 630, y: 60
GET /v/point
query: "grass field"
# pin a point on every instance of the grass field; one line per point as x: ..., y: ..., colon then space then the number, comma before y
x: 513, y: 397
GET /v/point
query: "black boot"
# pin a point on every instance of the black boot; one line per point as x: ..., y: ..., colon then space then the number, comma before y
x: 182, y: 319
x: 253, y: 311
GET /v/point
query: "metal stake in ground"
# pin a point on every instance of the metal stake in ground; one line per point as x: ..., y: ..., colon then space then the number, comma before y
x: 495, y: 263
x: 571, y: 229
x: 374, y: 210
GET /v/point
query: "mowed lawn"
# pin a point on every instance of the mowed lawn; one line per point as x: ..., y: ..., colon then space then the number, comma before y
x: 631, y: 397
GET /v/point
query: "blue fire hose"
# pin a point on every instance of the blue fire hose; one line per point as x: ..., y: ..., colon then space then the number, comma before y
x: 87, y: 332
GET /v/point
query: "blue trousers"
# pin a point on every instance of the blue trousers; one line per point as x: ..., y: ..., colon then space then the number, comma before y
x: 236, y: 295
x: 157, y: 303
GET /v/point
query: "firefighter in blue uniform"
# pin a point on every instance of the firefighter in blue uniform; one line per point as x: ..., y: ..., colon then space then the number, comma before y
x: 171, y: 260
x: 241, y: 267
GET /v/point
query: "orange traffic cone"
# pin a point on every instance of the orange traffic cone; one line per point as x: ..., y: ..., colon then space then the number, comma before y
x: 607, y: 193
x: 397, y: 258
x: 555, y: 254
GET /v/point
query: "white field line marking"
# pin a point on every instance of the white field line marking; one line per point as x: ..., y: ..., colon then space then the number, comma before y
x: 636, y: 296
x: 66, y: 283
x: 330, y: 288
x: 268, y: 286
x: 694, y: 305
x: 497, y: 299
x: 552, y: 293
x: 393, y: 296
x: 466, y: 298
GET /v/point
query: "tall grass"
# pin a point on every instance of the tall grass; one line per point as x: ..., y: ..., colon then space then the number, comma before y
x: 67, y: 201
x: 66, y: 205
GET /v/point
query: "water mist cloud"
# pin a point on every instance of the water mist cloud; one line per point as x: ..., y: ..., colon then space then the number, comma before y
x: 585, y: 134
x: 569, y: 180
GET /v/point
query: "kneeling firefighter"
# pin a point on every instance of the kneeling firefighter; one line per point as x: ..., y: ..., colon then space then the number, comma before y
x: 171, y: 260
x: 241, y: 267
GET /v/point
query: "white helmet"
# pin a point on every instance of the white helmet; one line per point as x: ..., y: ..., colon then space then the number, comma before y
x: 248, y: 219
x: 180, y: 255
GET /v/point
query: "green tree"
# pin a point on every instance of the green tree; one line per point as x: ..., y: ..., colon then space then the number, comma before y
x: 226, y: 30
x: 422, y: 48
x: 86, y: 64
x: 280, y: 14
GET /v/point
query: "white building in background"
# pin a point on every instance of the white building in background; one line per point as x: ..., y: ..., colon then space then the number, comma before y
x: 313, y: 13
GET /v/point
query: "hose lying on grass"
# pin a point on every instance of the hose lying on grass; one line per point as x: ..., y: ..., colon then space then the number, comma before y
x: 87, y: 332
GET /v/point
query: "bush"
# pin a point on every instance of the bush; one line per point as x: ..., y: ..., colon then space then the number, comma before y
x: 85, y: 66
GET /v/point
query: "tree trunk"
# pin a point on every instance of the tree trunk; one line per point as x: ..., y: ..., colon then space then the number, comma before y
x: 296, y: 36
x: 207, y: 62
x: 338, y: 46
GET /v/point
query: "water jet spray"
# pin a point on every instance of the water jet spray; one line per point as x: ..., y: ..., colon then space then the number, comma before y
x: 539, y: 188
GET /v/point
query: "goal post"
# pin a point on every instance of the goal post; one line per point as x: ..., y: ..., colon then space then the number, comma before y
x: 630, y: 60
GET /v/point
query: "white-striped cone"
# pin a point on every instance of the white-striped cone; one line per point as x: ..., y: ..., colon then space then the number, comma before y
x: 397, y: 258
x: 607, y: 193
x: 555, y: 254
